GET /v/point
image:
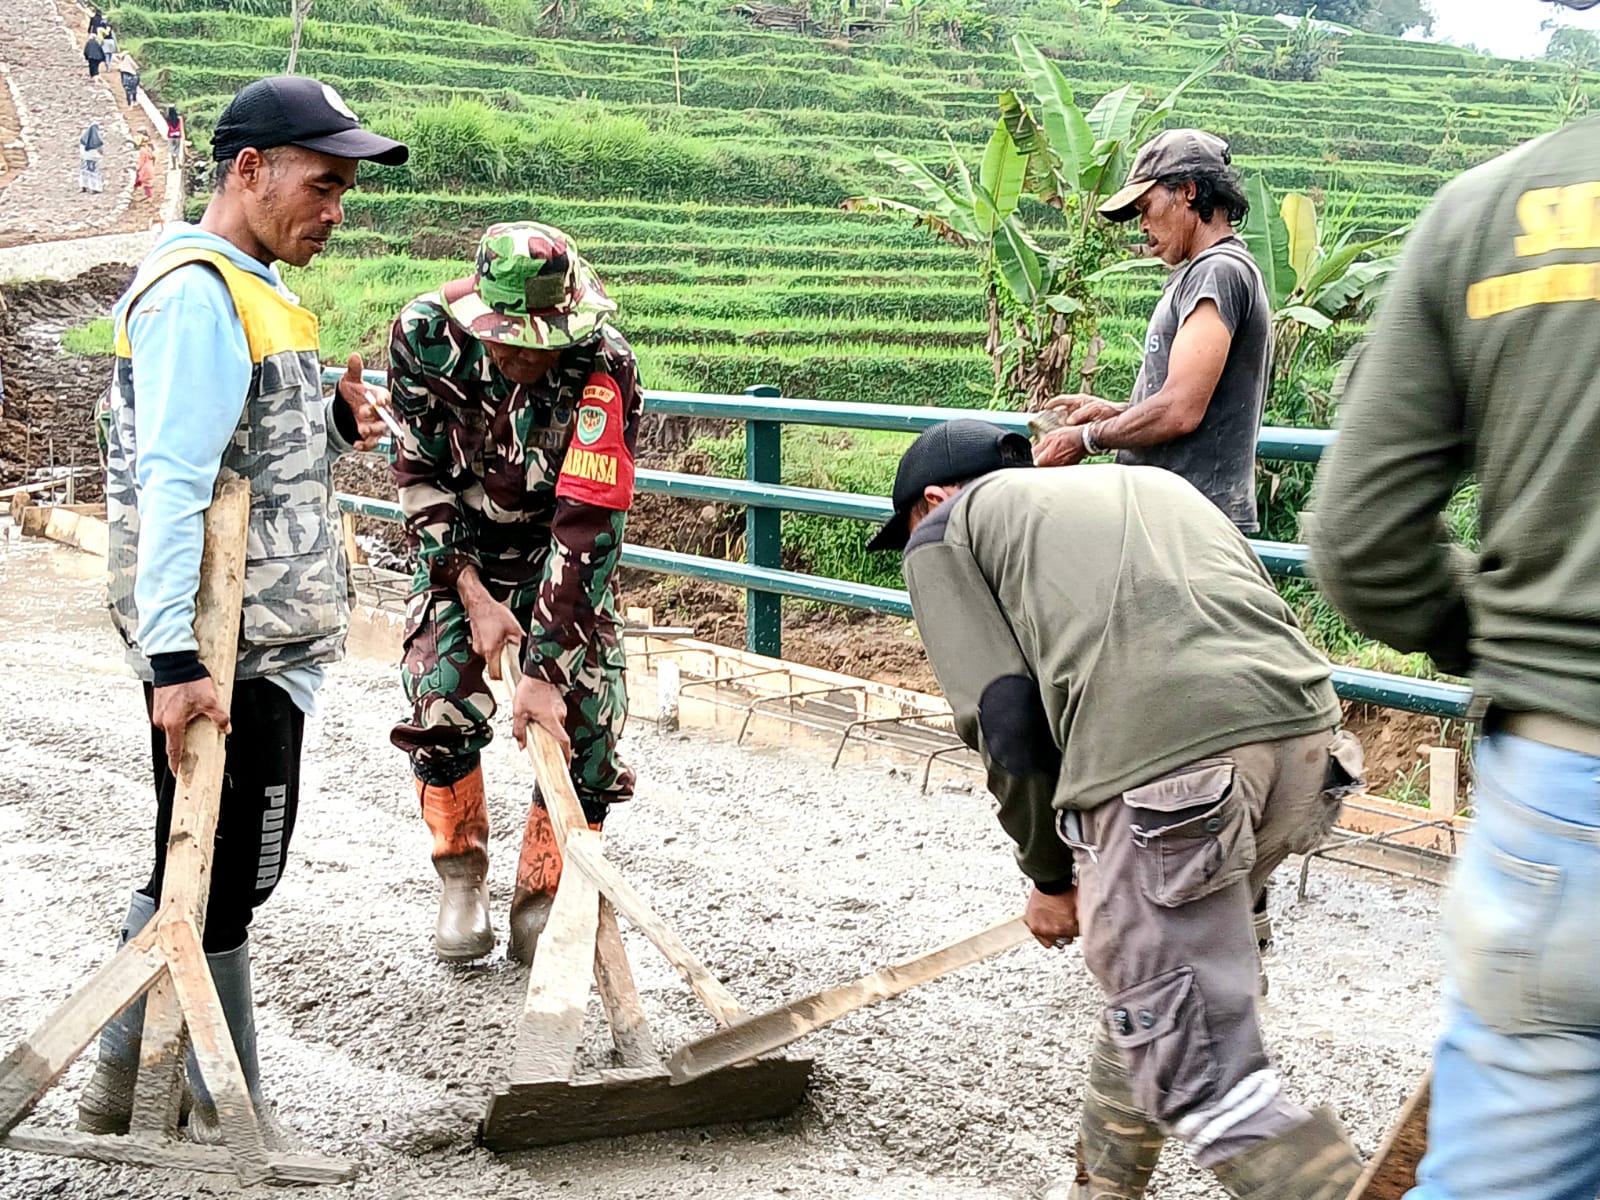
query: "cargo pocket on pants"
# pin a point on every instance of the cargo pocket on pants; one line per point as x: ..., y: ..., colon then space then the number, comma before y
x: 1161, y: 1030
x: 1191, y: 835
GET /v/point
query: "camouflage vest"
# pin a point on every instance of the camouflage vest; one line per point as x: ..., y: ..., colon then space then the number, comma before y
x: 296, y: 590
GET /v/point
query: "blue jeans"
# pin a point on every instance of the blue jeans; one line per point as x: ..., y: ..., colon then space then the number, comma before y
x: 1516, y: 1089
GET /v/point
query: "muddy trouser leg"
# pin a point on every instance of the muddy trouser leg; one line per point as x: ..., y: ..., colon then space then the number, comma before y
x: 451, y: 706
x: 1165, y: 905
x: 255, y: 822
x: 597, y: 709
x: 1118, y: 1146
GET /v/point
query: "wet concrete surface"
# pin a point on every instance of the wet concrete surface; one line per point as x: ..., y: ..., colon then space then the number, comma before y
x: 783, y: 875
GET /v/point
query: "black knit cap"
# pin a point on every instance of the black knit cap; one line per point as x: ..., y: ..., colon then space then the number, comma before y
x: 953, y: 452
x: 292, y: 110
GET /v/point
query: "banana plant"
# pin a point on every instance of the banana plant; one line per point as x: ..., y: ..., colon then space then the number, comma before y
x: 1076, y: 155
x: 1317, y: 271
x: 980, y: 214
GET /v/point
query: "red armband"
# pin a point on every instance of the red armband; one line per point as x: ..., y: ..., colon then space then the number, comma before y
x: 598, y: 468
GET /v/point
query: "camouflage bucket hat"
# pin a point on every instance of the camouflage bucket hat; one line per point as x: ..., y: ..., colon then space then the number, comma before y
x: 531, y: 288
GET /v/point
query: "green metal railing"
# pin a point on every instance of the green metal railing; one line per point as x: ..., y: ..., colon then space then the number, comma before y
x: 766, y: 498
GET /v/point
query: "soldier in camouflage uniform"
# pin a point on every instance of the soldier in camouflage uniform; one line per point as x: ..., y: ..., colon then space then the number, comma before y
x: 520, y: 407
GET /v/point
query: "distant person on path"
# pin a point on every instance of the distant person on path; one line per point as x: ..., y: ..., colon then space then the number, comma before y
x: 1197, y: 403
x: 90, y: 146
x: 144, y: 176
x: 94, y: 52
x: 108, y: 47
x: 130, y: 77
x: 521, y: 407
x: 97, y: 22
x: 175, y: 135
x: 1481, y: 365
x: 217, y: 367
x: 1158, y: 735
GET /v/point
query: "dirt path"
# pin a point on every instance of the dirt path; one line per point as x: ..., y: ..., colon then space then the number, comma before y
x: 786, y: 876
x: 56, y: 101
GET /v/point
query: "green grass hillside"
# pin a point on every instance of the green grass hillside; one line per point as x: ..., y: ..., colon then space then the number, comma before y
x: 700, y: 163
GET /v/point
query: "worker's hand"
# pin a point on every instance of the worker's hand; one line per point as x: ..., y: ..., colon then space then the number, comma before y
x: 1071, y: 402
x: 1053, y: 920
x: 173, y: 707
x: 363, y: 399
x: 1095, y: 409
x: 493, y: 627
x: 1060, y: 448
x: 543, y: 704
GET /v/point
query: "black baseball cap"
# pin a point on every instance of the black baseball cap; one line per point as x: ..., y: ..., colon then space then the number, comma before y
x: 950, y: 453
x: 293, y: 110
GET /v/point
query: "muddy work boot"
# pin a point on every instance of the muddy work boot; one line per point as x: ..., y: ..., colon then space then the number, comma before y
x: 453, y: 806
x: 106, y: 1105
x: 1118, y: 1146
x: 230, y: 971
x: 538, y: 875
x: 1313, y: 1160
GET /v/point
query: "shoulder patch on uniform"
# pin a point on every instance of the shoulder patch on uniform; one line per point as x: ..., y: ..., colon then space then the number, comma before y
x: 598, y: 469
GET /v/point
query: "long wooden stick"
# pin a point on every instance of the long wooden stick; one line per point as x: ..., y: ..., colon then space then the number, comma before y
x: 187, y: 882
x: 29, y: 1070
x: 630, y: 1029
x: 778, y: 1027
x: 587, y: 858
x: 214, y: 1049
x: 1393, y: 1169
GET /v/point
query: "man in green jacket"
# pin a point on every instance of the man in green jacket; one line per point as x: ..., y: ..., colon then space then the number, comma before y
x: 1159, y: 736
x: 1482, y: 364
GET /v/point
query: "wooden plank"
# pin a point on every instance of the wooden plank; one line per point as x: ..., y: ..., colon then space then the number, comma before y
x: 669, y: 683
x: 187, y: 881
x: 551, y: 1027
x: 213, y: 1048
x: 178, y: 1156
x: 86, y: 531
x: 586, y: 856
x: 1393, y: 1169
x: 623, y: 1102
x: 29, y: 1070
x: 353, y: 554
x: 1443, y: 765
x: 778, y: 1027
x: 630, y: 1029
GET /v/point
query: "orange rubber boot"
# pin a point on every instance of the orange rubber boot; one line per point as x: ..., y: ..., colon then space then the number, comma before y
x: 459, y: 820
x: 538, y: 875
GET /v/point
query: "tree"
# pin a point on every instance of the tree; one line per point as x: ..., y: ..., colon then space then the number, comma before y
x: 1067, y: 158
x: 1318, y: 271
x: 1395, y: 17
x: 1574, y: 47
x: 1234, y: 42
x: 298, y: 9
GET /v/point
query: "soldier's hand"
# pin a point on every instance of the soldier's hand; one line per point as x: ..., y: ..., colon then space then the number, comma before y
x: 363, y: 400
x: 1053, y: 920
x: 173, y: 707
x: 1060, y: 448
x: 541, y: 704
x: 493, y: 627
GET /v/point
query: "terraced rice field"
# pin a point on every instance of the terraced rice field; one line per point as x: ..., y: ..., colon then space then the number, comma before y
x: 706, y: 190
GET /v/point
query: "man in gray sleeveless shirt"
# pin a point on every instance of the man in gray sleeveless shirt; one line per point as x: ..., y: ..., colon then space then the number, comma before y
x: 1196, y: 406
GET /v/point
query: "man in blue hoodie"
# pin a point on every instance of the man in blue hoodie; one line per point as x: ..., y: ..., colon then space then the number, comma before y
x: 217, y: 367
